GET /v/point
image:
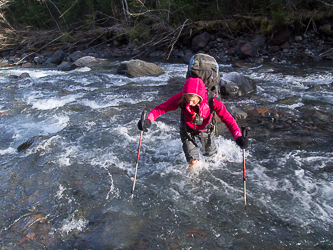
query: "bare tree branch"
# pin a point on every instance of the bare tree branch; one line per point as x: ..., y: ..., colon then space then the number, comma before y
x: 52, y: 15
x: 17, y: 63
x: 181, y: 29
x: 326, y: 53
x: 68, y: 9
x: 325, y: 3
x: 55, y: 6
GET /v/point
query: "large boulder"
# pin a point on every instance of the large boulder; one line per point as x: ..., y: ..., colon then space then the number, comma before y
x: 235, y: 84
x: 247, y: 50
x: 57, y: 57
x: 187, y: 58
x: 87, y: 61
x: 201, y: 41
x: 75, y: 56
x: 281, y: 36
x: 64, y: 66
x: 4, y: 63
x: 138, y: 68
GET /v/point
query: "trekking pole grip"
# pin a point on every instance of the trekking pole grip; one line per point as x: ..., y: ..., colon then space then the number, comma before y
x: 143, y: 118
x: 143, y: 115
x: 245, y: 130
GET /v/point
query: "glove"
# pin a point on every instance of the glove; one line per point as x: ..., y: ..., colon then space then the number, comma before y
x: 243, y: 142
x: 143, y: 125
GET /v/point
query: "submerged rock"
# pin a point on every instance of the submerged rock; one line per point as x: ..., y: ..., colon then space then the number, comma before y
x: 27, y: 144
x: 24, y: 75
x: 64, y: 92
x: 235, y: 84
x: 30, y: 228
x: 237, y: 113
x: 116, y: 230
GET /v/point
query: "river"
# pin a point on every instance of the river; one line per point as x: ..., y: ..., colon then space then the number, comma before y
x: 71, y: 189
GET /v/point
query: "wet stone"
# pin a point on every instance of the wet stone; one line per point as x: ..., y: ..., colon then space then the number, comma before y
x: 288, y: 101
x: 27, y: 144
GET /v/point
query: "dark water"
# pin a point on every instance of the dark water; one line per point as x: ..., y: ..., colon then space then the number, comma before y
x: 71, y: 189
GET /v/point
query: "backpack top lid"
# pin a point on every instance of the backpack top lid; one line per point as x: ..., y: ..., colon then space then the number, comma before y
x: 205, y: 67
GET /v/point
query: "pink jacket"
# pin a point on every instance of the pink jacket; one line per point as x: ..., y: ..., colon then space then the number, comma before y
x: 196, y: 86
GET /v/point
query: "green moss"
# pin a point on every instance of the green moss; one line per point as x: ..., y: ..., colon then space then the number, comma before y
x: 259, y: 20
x: 140, y: 33
x: 317, y: 17
x: 326, y: 30
x: 89, y: 21
x: 280, y: 16
x: 234, y: 25
x: 263, y: 26
x: 270, y: 28
x: 67, y: 38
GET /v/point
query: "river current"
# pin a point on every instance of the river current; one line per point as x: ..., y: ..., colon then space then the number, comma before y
x: 71, y: 189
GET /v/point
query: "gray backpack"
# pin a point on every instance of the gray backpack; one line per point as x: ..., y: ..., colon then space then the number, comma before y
x: 206, y: 68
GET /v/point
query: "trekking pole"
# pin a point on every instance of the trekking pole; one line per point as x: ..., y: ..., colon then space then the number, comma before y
x: 143, y: 117
x: 244, y: 134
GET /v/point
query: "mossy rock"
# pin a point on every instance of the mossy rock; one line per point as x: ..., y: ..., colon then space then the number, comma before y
x: 326, y: 30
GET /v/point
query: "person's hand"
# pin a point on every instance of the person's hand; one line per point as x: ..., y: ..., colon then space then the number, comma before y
x: 144, y: 125
x: 243, y: 142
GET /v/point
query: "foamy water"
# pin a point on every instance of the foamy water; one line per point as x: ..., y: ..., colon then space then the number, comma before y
x: 79, y: 171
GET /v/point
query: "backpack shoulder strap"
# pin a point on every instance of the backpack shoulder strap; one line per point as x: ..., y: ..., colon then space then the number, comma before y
x: 211, y: 103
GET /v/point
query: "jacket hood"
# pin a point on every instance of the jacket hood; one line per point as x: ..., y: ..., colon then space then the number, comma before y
x: 195, y: 86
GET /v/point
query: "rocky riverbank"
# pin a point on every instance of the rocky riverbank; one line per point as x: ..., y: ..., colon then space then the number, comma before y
x: 284, y: 47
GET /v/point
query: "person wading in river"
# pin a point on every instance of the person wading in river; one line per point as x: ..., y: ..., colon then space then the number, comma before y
x: 197, y: 120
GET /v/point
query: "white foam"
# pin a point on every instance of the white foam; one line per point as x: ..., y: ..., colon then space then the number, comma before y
x: 89, y: 125
x: 60, y: 192
x: 299, y: 173
x: 73, y: 222
x: 45, y: 146
x: 9, y: 150
x: 52, y: 125
x: 105, y: 161
x: 65, y: 158
x: 119, y: 80
x: 116, y: 100
x: 292, y: 106
x: 56, y: 124
x: 123, y: 131
x: 95, y: 105
x: 29, y: 128
x: 83, y: 69
x: 34, y: 73
x: 306, y: 197
x: 52, y: 102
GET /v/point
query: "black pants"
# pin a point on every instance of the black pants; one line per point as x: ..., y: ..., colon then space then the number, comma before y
x: 190, y: 147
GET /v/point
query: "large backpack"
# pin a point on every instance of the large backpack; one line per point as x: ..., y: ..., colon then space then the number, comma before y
x: 206, y: 68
